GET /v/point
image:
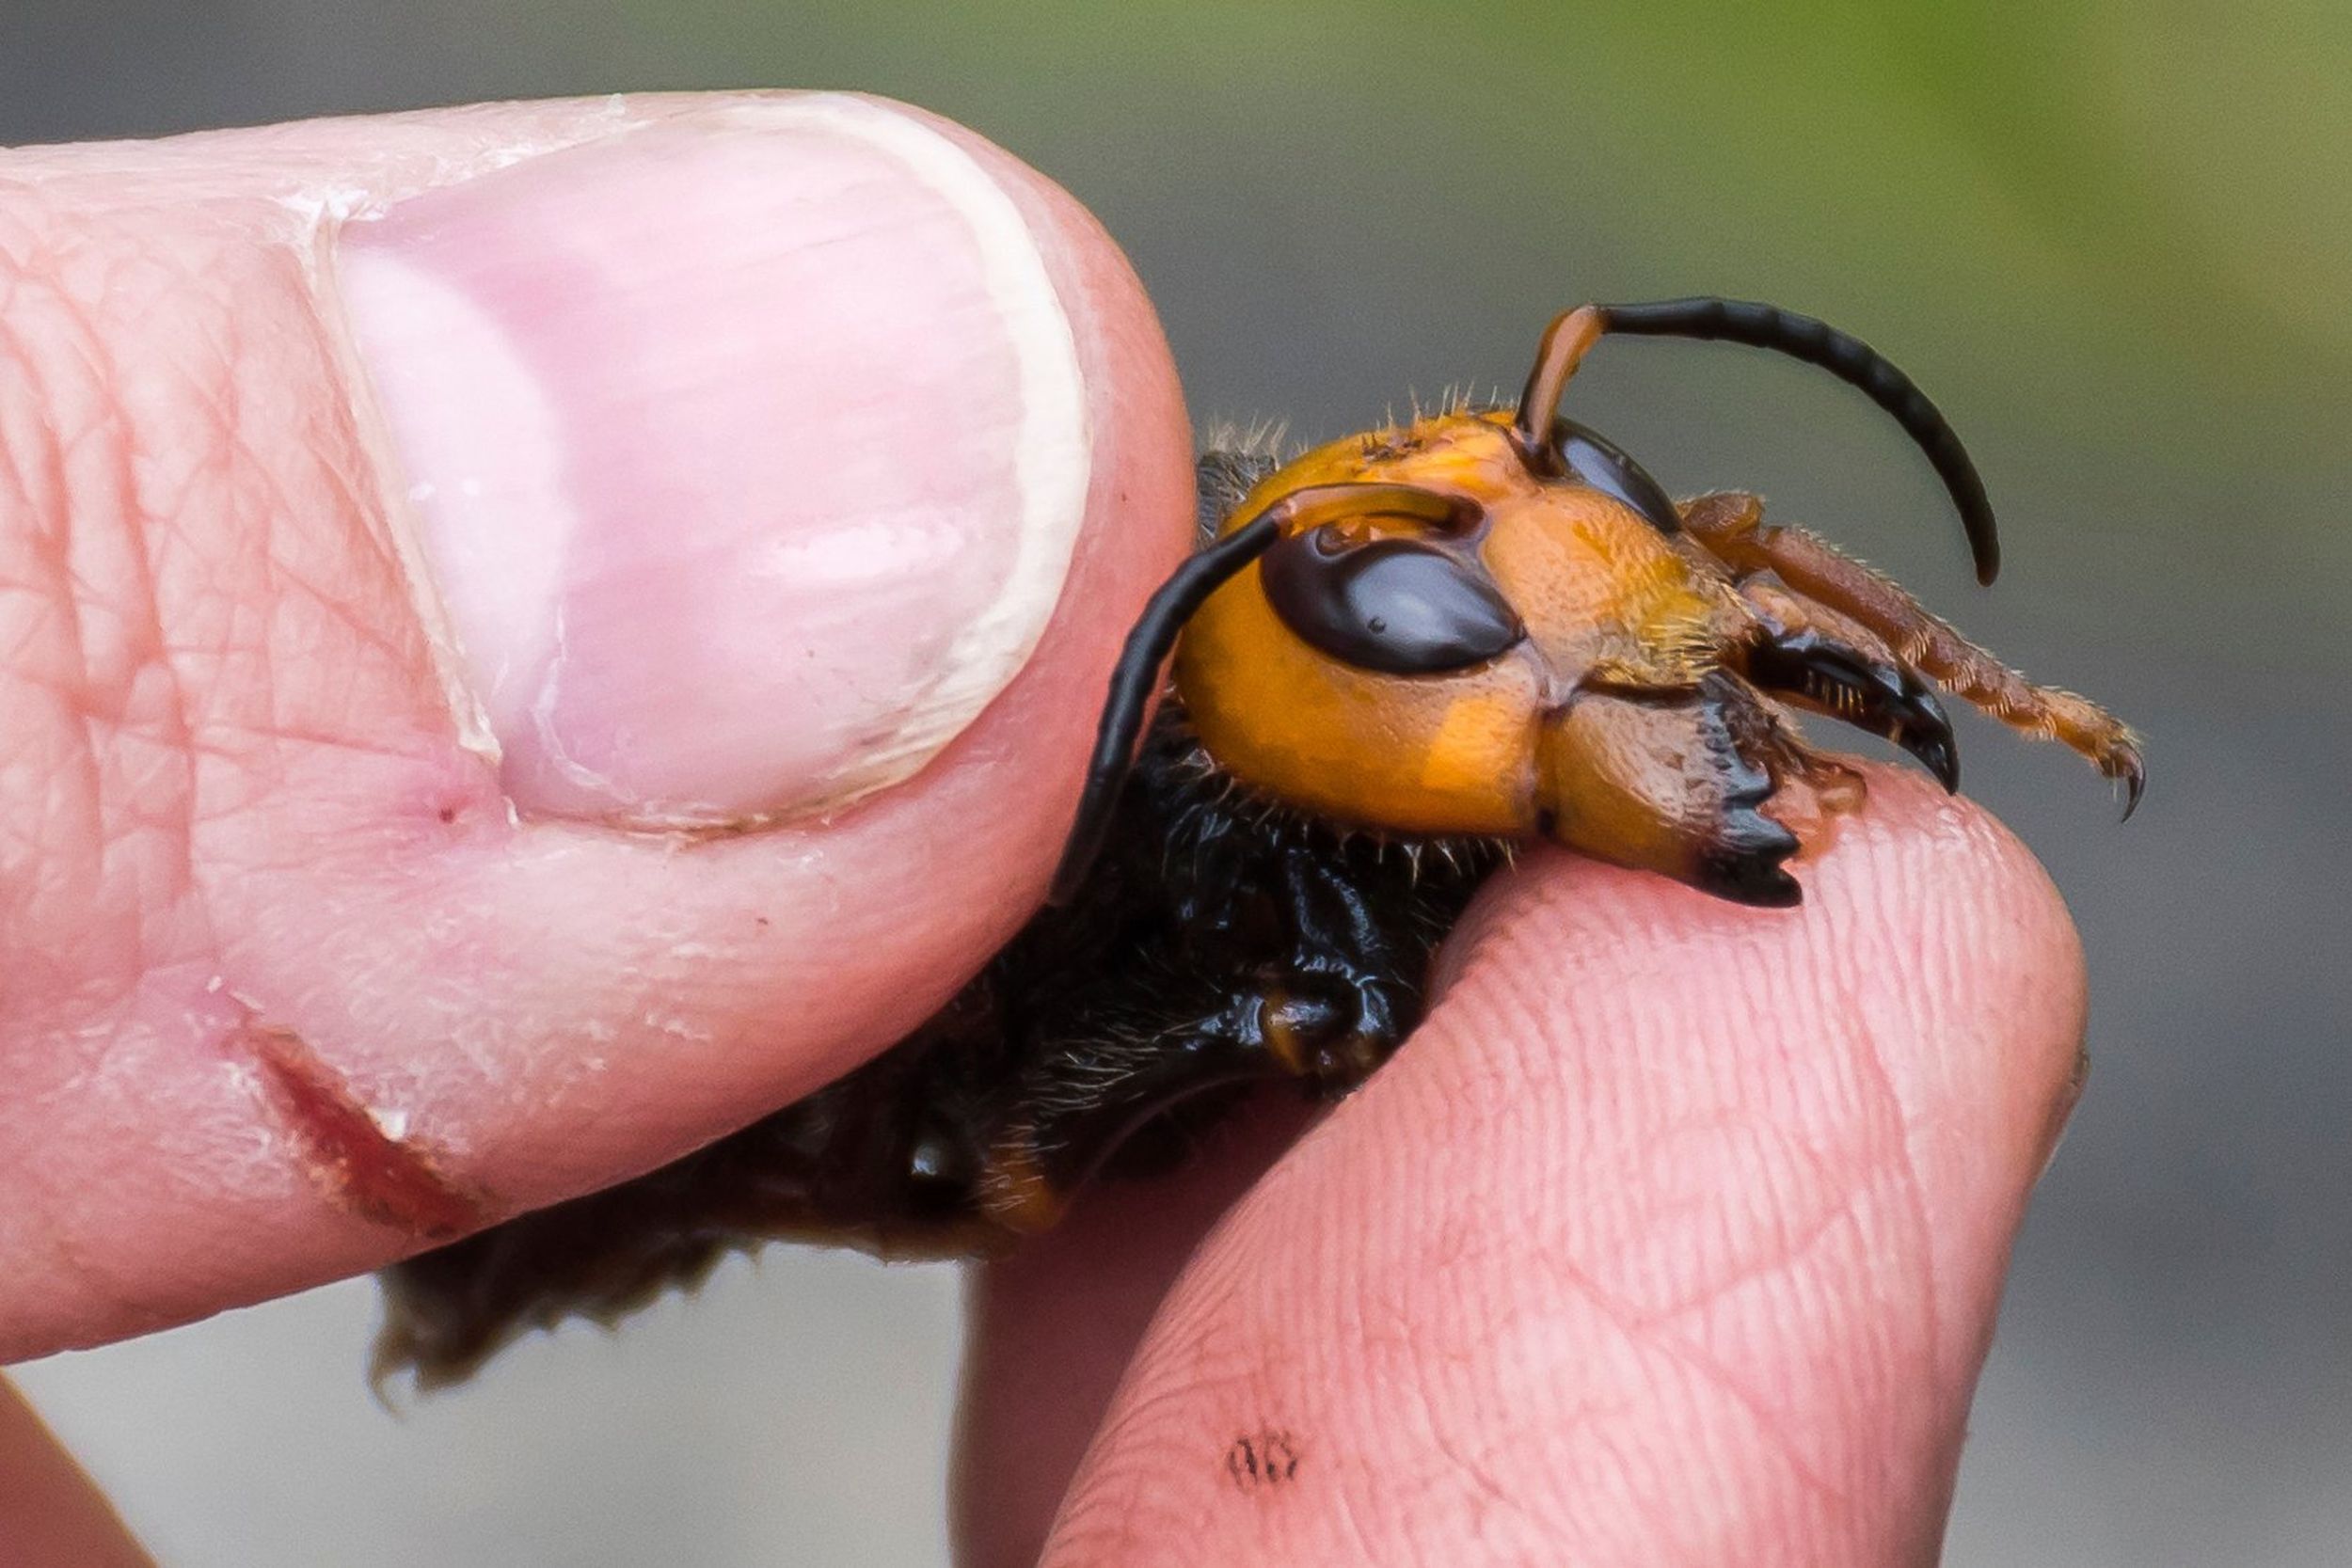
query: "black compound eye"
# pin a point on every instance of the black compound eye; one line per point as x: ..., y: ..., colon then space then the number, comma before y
x: 1591, y: 458
x: 1398, y: 605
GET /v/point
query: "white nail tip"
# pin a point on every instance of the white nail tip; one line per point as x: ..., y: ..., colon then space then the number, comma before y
x: 1052, y: 443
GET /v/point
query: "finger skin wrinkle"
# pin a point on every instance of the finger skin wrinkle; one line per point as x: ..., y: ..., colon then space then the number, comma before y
x: 180, y: 644
x: 95, y: 719
x: 1906, y: 1191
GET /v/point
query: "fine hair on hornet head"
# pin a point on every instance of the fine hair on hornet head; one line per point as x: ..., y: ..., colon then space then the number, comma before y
x: 1536, y: 435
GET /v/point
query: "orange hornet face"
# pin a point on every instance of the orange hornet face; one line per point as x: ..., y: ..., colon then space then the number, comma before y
x: 1494, y: 623
x: 1530, y: 652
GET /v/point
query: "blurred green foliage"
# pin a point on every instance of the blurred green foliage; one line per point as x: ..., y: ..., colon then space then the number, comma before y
x: 2151, y: 191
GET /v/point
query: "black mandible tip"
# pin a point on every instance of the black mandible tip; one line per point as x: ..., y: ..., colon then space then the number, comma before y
x: 1850, y: 360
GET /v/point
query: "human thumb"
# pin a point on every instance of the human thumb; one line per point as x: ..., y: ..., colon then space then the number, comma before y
x: 536, y: 634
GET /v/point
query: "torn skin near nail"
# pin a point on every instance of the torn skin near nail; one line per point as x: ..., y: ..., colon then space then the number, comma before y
x: 387, y: 1181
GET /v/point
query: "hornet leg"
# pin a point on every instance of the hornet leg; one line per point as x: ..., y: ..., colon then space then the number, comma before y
x: 1732, y: 527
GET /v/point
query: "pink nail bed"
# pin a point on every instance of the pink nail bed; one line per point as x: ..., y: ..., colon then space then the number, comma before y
x: 744, y: 453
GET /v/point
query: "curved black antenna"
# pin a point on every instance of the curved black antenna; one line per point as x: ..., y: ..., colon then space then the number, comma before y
x: 1136, y: 676
x: 1850, y: 360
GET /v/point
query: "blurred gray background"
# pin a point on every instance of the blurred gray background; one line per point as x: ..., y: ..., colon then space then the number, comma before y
x: 2114, y: 237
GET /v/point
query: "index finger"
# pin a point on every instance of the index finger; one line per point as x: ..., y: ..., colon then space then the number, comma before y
x: 1675, y: 1234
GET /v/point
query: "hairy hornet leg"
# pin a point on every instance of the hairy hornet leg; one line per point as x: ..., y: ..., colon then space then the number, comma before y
x: 1676, y: 782
x: 1077, y: 1112
x: 1326, y: 1017
x: 1732, y: 527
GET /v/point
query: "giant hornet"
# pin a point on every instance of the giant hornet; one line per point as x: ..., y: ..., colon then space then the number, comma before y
x: 1393, y: 656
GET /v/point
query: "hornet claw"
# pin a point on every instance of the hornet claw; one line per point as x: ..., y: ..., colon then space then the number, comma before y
x: 1891, y: 700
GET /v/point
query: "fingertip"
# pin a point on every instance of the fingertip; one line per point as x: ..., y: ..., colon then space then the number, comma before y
x: 1922, y: 910
x: 789, y: 950
x: 1999, y: 962
x: 1925, y: 1005
x: 1664, y: 1187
